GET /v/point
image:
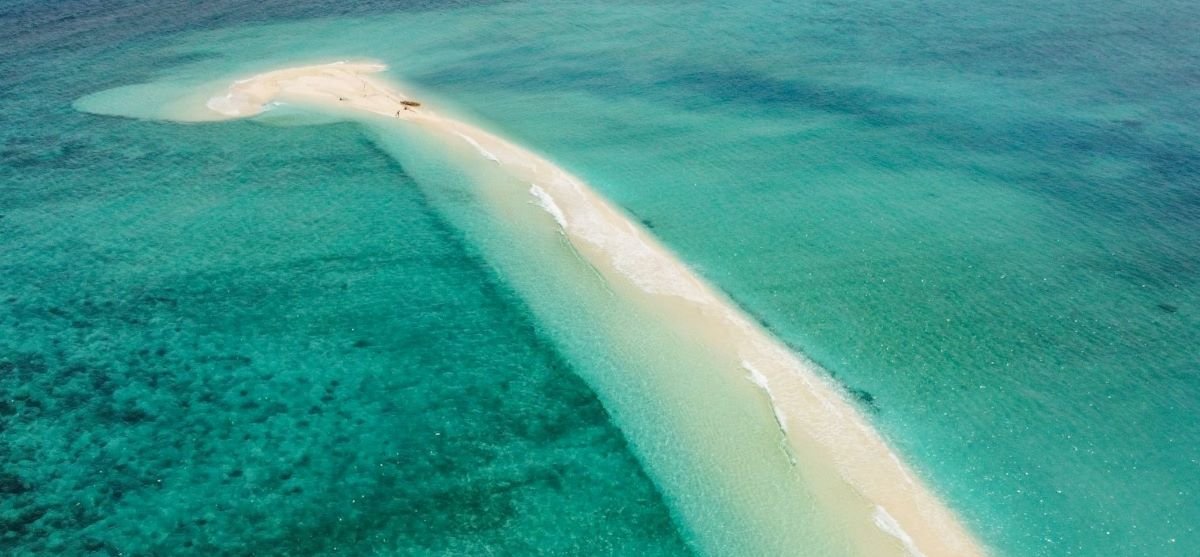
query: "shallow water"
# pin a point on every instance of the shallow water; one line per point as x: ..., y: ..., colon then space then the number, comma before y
x: 245, y: 339
x: 980, y: 219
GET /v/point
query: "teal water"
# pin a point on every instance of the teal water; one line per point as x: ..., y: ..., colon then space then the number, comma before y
x: 224, y: 340
x: 981, y: 219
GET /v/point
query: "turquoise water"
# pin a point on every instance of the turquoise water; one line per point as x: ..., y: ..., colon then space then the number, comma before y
x: 228, y: 340
x: 980, y: 218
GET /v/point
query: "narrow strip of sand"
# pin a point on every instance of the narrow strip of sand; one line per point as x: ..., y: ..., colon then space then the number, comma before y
x: 827, y: 433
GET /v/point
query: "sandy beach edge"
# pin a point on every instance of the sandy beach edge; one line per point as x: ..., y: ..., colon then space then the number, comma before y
x: 811, y: 412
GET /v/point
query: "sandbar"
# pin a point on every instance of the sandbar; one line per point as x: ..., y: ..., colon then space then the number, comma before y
x: 866, y: 478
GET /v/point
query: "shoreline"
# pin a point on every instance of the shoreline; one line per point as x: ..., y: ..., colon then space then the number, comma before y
x: 853, y: 470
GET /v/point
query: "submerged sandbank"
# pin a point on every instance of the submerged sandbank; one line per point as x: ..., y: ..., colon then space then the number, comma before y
x: 844, y: 460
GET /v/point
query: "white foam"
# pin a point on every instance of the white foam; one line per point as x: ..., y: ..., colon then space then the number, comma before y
x: 603, y: 232
x: 756, y: 376
x: 233, y: 105
x: 891, y: 526
x: 759, y: 379
x: 547, y: 203
x: 486, y: 154
x: 223, y: 105
x: 625, y: 246
x: 780, y: 418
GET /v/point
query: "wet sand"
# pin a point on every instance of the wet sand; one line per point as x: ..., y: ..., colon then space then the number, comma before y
x: 846, y: 463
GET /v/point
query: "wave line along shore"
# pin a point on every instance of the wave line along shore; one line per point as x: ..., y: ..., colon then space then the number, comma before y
x: 870, y: 484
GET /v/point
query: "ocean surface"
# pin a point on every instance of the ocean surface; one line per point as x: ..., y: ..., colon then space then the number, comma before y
x: 300, y: 336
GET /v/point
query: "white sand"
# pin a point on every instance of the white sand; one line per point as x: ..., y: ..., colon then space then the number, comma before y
x: 859, y: 477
